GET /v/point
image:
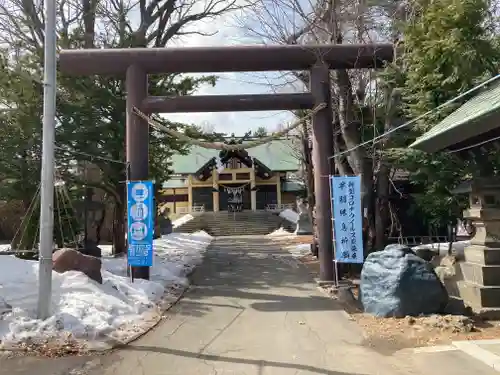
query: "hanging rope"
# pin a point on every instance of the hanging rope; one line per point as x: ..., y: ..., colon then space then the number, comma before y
x: 231, y: 187
x: 68, y: 209
x: 223, y: 146
x: 26, y: 221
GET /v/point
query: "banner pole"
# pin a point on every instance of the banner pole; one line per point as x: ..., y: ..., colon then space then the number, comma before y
x: 334, y: 250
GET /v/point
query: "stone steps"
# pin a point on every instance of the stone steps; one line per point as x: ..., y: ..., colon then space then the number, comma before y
x: 239, y: 223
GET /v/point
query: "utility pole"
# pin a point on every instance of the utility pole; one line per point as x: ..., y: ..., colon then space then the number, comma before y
x: 47, y: 176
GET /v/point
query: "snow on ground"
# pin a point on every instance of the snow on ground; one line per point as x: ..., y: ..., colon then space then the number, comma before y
x: 280, y: 233
x: 117, y: 309
x: 442, y: 248
x: 299, y: 250
x: 4, y: 248
x: 182, y: 220
x: 290, y: 215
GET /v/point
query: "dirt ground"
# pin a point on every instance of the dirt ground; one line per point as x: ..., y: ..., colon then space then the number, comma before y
x: 406, y: 332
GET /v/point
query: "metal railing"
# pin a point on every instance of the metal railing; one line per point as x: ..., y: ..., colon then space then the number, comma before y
x: 279, y: 207
x: 418, y: 240
x: 196, y: 209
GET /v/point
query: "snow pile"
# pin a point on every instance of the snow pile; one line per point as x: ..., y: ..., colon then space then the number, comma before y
x: 118, y: 309
x: 182, y: 220
x: 442, y: 248
x: 300, y: 250
x: 280, y: 233
x: 290, y: 215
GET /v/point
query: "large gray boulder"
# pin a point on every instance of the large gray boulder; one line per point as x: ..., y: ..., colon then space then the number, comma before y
x: 395, y: 282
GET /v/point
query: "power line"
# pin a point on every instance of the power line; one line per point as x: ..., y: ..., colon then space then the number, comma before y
x: 439, y: 107
x: 474, y: 145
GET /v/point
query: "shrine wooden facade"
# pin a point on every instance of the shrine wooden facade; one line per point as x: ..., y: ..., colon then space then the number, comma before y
x: 261, y: 178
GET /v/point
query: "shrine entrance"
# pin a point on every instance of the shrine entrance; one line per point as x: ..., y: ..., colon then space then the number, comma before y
x: 235, y: 197
x: 136, y: 63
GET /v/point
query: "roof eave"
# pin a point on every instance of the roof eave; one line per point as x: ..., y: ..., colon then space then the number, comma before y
x: 458, y: 134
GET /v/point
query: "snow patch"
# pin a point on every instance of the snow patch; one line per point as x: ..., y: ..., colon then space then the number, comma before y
x: 300, y: 250
x: 116, y: 309
x: 442, y: 247
x: 280, y: 233
x: 182, y: 220
x: 290, y: 215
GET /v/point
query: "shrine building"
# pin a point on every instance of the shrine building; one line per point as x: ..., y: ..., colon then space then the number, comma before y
x: 260, y: 178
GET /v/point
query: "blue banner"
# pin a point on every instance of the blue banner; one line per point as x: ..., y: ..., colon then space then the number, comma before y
x: 345, y: 193
x: 140, y: 218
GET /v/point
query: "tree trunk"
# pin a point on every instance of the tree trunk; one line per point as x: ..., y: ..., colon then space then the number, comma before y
x: 342, y: 166
x: 119, y: 222
x: 383, y: 179
x: 119, y: 243
x: 361, y: 164
x: 100, y: 223
x: 382, y: 206
x: 309, y: 175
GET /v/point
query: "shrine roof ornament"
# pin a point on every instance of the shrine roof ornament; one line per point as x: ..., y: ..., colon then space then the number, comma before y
x: 261, y: 170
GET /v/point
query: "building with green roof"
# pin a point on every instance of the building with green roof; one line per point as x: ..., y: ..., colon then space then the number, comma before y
x: 472, y: 132
x: 258, y: 178
x: 476, y: 121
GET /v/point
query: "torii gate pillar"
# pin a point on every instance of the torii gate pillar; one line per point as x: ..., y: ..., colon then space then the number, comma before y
x: 322, y: 150
x: 137, y: 137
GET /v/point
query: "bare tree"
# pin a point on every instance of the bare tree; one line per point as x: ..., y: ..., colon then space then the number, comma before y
x: 98, y: 24
x: 357, y: 98
x: 152, y: 23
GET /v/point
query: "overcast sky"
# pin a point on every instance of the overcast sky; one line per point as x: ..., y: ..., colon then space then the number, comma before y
x: 234, y: 83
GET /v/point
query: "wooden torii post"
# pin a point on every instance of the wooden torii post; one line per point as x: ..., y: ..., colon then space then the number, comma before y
x: 137, y: 63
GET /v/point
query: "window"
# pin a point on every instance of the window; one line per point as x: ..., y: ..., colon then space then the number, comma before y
x: 243, y: 176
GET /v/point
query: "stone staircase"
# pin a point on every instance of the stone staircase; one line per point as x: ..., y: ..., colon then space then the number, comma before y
x: 193, y: 225
x: 237, y: 223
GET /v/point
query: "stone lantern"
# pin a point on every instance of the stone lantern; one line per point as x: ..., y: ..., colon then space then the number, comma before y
x: 480, y: 288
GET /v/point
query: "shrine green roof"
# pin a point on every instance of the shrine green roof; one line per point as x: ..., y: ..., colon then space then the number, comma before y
x: 278, y: 155
x: 475, y: 117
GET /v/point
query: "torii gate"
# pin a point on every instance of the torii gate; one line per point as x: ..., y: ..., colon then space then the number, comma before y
x: 137, y: 63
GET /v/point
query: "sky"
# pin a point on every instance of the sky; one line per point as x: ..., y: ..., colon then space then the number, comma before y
x: 227, y: 33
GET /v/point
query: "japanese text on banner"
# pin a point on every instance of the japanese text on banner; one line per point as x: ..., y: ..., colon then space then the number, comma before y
x: 346, y: 209
x: 140, y: 216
